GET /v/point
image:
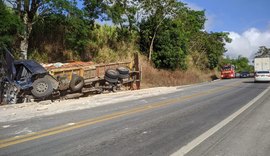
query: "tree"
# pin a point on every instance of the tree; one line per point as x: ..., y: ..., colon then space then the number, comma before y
x: 216, y: 47
x: 10, y: 25
x: 77, y: 36
x: 170, y: 46
x: 179, y: 28
x: 197, y: 48
x: 241, y: 63
x: 95, y: 9
x: 193, y: 24
x: 30, y: 11
x: 207, y: 49
x: 123, y: 13
x: 157, y: 12
x: 263, y: 51
x: 192, y: 21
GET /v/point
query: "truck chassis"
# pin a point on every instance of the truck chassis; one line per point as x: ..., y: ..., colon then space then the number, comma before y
x: 27, y: 80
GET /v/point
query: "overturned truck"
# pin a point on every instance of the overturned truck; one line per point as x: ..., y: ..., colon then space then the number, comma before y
x: 27, y: 80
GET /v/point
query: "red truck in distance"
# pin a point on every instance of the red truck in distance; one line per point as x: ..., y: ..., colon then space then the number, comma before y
x: 228, y: 72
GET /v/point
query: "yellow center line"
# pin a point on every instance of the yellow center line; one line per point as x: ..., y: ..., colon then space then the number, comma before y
x: 83, y: 123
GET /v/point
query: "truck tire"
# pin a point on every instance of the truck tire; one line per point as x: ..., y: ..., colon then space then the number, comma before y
x: 123, y: 70
x: 111, y: 80
x: 112, y: 74
x: 42, y: 88
x: 76, y: 83
x: 122, y: 76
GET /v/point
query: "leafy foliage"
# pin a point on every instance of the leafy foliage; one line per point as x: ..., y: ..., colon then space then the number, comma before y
x: 10, y: 26
x: 167, y: 31
x: 157, y: 12
x: 263, y: 51
x: 180, y: 34
x: 215, y: 48
x: 241, y: 63
x: 170, y: 46
x: 95, y: 9
x: 77, y: 35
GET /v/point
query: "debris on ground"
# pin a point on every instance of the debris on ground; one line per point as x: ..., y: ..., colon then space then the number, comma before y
x: 25, y: 111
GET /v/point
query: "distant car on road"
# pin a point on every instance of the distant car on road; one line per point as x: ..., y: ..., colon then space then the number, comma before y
x: 262, y: 76
x: 244, y: 74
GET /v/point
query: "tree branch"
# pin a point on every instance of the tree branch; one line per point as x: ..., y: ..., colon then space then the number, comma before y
x: 13, y: 3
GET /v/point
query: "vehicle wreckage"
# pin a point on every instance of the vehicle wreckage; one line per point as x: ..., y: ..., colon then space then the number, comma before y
x: 27, y: 80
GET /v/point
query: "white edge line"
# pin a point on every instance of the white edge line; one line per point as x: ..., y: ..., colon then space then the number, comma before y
x: 191, y: 145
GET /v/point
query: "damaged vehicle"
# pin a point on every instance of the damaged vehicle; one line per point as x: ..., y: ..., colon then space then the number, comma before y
x: 27, y: 80
x: 24, y: 80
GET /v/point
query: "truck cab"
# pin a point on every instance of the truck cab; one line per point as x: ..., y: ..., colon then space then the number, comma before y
x: 23, y: 78
x: 228, y: 72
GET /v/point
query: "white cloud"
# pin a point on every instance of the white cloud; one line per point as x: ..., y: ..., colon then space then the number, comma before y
x: 247, y: 43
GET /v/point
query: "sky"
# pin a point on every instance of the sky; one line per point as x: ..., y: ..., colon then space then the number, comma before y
x: 247, y: 21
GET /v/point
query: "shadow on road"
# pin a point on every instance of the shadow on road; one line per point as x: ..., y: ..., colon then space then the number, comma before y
x: 254, y: 82
x: 248, y: 82
x: 214, y: 77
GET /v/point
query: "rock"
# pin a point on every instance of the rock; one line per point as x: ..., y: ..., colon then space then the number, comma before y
x: 21, y: 106
x: 47, y: 102
x: 42, y: 108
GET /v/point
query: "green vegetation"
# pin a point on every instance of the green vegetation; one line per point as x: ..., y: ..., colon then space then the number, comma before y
x: 241, y: 63
x: 10, y: 26
x: 167, y: 32
x: 263, y: 51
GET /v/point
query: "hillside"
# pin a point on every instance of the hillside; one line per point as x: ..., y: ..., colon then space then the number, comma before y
x: 170, y: 37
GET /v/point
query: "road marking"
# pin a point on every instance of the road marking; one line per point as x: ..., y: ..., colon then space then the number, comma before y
x: 70, y: 124
x: 83, y: 123
x: 6, y: 126
x: 191, y: 145
x: 25, y: 130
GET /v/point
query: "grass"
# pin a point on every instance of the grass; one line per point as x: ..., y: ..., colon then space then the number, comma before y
x: 152, y: 77
x: 123, y: 53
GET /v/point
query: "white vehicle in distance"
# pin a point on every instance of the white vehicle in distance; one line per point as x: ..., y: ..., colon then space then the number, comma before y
x: 262, y: 76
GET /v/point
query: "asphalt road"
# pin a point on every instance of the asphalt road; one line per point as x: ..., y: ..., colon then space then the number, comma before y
x: 152, y: 126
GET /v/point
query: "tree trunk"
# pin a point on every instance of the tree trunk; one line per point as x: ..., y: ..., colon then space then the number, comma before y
x: 153, y: 39
x: 200, y: 55
x: 151, y: 46
x: 25, y: 37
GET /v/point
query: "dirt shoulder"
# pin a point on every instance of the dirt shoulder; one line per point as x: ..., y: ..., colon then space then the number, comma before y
x: 29, y: 110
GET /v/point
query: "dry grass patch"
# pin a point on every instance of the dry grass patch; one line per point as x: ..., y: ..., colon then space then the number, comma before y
x: 152, y: 77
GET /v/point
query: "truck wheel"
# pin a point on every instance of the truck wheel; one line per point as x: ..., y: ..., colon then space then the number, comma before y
x: 123, y: 70
x: 76, y: 83
x: 110, y: 79
x: 123, y: 76
x: 42, y: 88
x: 111, y: 73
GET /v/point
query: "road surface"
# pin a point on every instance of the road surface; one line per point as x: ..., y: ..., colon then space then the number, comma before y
x: 205, y: 119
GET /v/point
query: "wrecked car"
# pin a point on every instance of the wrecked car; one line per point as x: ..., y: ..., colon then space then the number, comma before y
x: 23, y: 80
